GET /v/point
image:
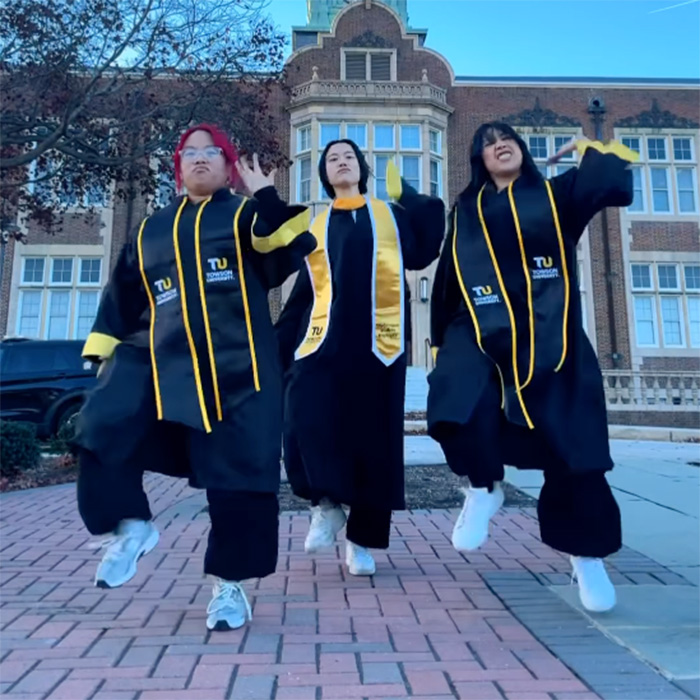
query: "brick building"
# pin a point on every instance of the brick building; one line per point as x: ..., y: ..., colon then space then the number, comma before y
x: 358, y: 69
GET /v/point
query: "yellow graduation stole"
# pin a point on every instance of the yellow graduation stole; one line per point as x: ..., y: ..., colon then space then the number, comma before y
x: 387, y: 285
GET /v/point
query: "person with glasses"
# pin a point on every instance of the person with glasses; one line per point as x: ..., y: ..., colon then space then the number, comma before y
x: 516, y: 379
x: 343, y: 341
x: 190, y: 378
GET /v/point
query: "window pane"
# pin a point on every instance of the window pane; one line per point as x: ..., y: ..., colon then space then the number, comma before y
x: 692, y: 277
x: 59, y: 306
x: 87, y: 309
x: 644, y: 320
x: 543, y: 169
x: 384, y: 137
x: 641, y: 277
x: 410, y: 137
x: 435, y: 179
x: 694, y: 320
x: 329, y: 132
x: 561, y: 169
x: 682, y: 150
x: 410, y: 170
x: 356, y: 66
x: 560, y: 142
x: 62, y: 271
x: 304, y: 184
x: 659, y: 185
x: 633, y: 143
x: 33, y: 270
x: 671, y: 319
x: 657, y: 149
x: 686, y: 190
x: 435, y: 141
x: 638, y: 201
x: 29, y: 314
x: 90, y: 270
x: 538, y: 146
x: 668, y: 277
x: 358, y: 134
x: 380, y: 163
x: 380, y: 66
x: 303, y: 139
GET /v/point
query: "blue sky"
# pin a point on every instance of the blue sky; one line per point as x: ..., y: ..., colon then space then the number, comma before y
x: 601, y: 38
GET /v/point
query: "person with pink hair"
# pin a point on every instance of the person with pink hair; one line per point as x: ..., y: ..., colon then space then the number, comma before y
x: 190, y: 378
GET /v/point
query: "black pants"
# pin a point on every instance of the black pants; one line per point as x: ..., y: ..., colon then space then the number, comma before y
x: 243, y: 540
x: 367, y: 527
x: 577, y: 513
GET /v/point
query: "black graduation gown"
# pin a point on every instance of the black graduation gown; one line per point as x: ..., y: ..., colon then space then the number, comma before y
x: 344, y: 408
x: 186, y: 322
x: 566, y: 408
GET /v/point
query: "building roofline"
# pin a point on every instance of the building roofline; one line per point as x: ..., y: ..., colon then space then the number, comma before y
x: 578, y: 80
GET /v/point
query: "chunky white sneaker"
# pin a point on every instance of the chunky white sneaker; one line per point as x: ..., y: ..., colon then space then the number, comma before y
x: 359, y: 560
x: 595, y: 588
x: 472, y: 527
x: 132, y: 539
x: 327, y: 520
x: 229, y: 608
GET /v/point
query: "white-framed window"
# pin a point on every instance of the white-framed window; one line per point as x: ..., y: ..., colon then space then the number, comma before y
x: 303, y: 139
x: 62, y: 304
x: 384, y: 137
x: 435, y: 178
x: 544, y: 145
x: 90, y: 271
x: 86, y: 310
x: 435, y: 137
x: 62, y: 271
x: 304, y: 179
x: 357, y: 133
x: 328, y: 132
x: 665, y: 178
x: 666, y: 300
x: 538, y: 147
x: 380, y: 164
x: 409, y: 137
x: 33, y: 270
x: 29, y: 313
x: 375, y: 65
x: 411, y: 170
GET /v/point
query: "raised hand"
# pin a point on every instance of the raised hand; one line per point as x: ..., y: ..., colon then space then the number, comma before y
x: 567, y: 148
x: 253, y: 177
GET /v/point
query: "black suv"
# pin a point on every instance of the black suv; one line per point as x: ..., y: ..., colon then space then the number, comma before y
x: 43, y: 382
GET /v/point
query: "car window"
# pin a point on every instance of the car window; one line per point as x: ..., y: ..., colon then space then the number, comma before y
x: 40, y: 359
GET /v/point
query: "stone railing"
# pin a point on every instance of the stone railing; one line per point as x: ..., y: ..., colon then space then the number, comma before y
x: 627, y: 390
x: 404, y: 91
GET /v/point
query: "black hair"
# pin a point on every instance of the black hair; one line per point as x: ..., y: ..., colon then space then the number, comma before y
x: 486, y: 134
x: 364, y: 167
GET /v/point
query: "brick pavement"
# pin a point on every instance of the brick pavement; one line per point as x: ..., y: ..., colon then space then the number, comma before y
x: 432, y: 624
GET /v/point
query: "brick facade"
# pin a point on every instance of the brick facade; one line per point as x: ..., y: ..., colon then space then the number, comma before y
x: 534, y: 104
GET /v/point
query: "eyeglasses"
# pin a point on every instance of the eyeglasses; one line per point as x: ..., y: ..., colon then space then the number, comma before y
x: 208, y: 153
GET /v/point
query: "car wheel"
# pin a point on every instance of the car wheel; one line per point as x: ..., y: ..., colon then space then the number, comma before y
x: 67, y: 418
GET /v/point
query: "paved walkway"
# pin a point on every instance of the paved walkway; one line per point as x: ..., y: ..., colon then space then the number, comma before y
x: 432, y: 624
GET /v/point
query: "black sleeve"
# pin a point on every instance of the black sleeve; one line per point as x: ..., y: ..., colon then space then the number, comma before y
x: 289, y: 324
x: 446, y: 296
x: 421, y: 222
x: 602, y: 179
x: 276, y: 236
x: 122, y: 304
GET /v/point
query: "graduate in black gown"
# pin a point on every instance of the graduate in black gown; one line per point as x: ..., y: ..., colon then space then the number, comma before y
x: 342, y: 337
x: 516, y: 379
x: 190, y: 382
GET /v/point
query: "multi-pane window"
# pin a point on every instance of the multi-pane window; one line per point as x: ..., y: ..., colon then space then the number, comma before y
x: 544, y: 146
x: 61, y: 304
x: 410, y: 170
x: 304, y: 179
x: 358, y: 134
x: 666, y: 301
x: 665, y: 179
x: 328, y: 132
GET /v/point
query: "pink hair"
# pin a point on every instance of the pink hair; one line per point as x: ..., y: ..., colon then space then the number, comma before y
x: 221, y: 140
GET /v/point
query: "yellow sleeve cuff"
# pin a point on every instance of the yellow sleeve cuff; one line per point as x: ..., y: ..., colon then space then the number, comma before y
x: 284, y: 235
x: 394, y: 187
x: 615, y: 147
x: 100, y: 346
x: 434, y: 352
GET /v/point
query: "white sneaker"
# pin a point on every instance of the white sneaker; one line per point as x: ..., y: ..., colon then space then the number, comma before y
x: 229, y: 608
x: 472, y: 527
x: 359, y: 560
x: 132, y: 539
x: 595, y: 588
x: 327, y: 520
